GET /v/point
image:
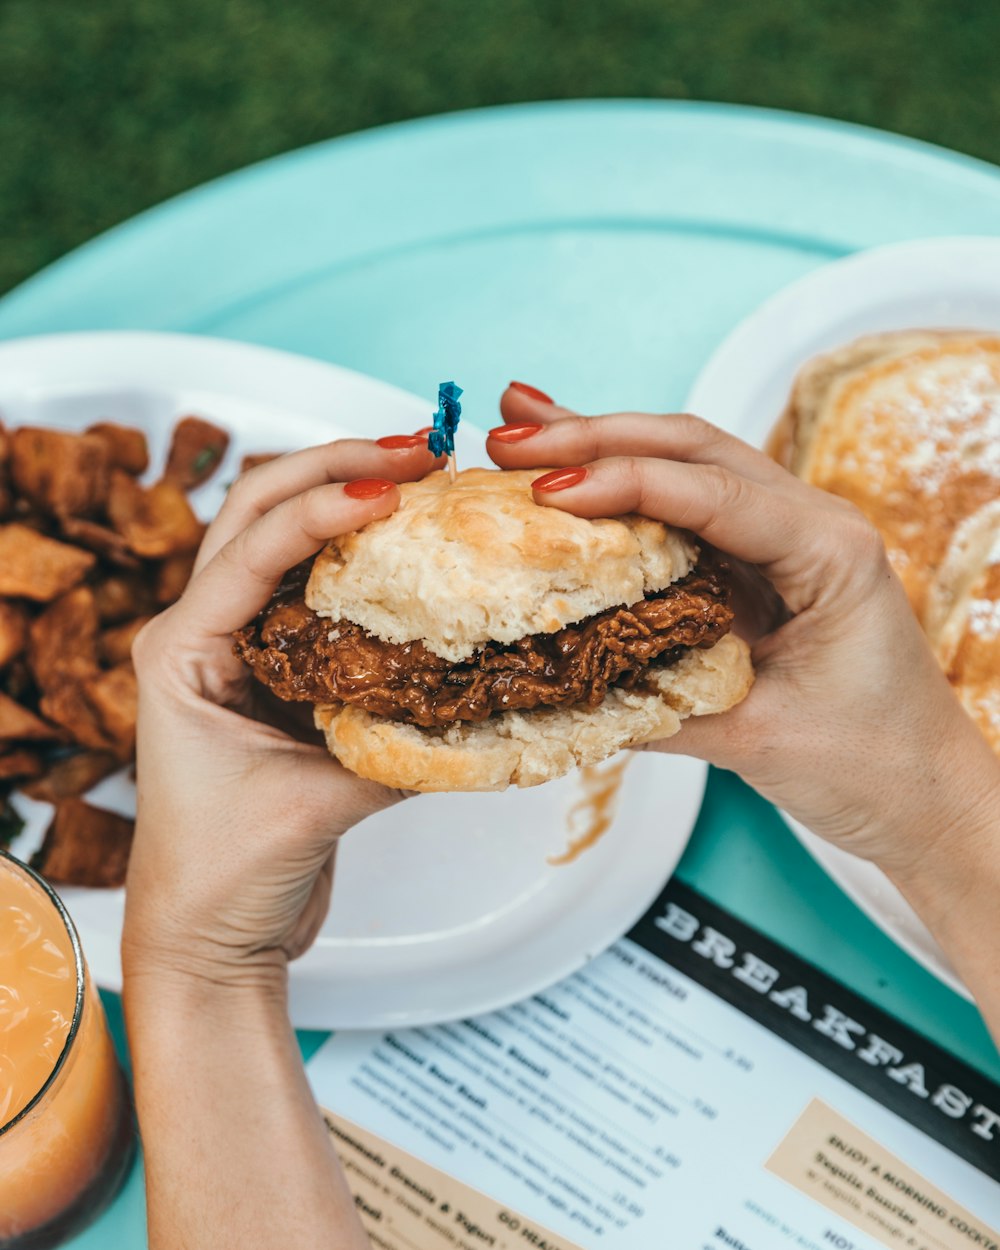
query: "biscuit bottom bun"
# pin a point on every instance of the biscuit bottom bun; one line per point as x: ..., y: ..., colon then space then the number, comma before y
x: 475, y: 640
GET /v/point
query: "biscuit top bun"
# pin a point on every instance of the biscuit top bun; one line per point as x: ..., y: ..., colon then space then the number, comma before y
x: 458, y: 566
x: 907, y: 427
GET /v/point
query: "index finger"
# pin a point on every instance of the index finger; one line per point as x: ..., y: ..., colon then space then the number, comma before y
x: 801, y: 545
x: 260, y: 489
x: 240, y: 579
x: 675, y: 435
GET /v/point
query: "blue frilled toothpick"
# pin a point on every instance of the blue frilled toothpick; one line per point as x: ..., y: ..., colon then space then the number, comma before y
x: 441, y: 440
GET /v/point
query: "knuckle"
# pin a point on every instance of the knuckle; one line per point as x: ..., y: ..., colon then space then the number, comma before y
x: 591, y: 432
x: 243, y: 488
x: 852, y: 546
x: 152, y: 647
x: 243, y: 495
x: 237, y: 558
x: 310, y: 511
x: 728, y: 491
x: 696, y: 430
x: 863, y: 537
x: 630, y: 477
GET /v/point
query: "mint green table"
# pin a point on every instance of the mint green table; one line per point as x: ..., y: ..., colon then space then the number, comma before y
x: 598, y: 250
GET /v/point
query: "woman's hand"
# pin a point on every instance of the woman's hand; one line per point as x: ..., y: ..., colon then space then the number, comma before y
x: 238, y: 822
x: 230, y: 878
x: 851, y: 726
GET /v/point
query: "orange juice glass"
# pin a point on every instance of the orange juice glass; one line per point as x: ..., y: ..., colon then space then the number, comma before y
x: 66, y: 1126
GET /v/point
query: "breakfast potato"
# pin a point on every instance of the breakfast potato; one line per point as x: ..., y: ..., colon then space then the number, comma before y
x: 33, y: 566
x: 99, y: 539
x: 121, y: 596
x: 155, y: 521
x: 252, y: 461
x: 19, y: 723
x: 71, y: 775
x: 127, y: 447
x: 88, y: 554
x: 85, y: 845
x: 13, y: 631
x: 61, y: 473
x: 63, y: 640
x: 115, y: 644
x: 67, y: 705
x: 6, y: 495
x: 17, y: 680
x: 19, y: 764
x: 196, y: 451
x: 114, y: 697
x: 173, y: 576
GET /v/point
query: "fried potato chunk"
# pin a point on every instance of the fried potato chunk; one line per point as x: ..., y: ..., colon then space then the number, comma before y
x: 121, y: 596
x: 88, y: 554
x: 13, y: 631
x: 173, y: 576
x: 114, y: 696
x: 101, y: 540
x: 85, y: 845
x: 19, y: 764
x: 6, y: 495
x: 196, y: 451
x: 127, y: 446
x: 61, y: 473
x: 17, y: 723
x: 71, y: 776
x: 253, y: 459
x: 67, y: 705
x: 39, y: 568
x: 115, y: 644
x: 63, y: 642
x: 155, y: 521
x: 98, y: 711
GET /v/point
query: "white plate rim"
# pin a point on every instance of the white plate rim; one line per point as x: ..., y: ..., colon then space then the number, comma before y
x: 811, y: 311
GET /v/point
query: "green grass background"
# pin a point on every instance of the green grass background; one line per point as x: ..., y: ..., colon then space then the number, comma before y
x: 109, y: 106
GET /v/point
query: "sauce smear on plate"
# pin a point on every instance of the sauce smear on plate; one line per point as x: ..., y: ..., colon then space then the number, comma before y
x: 591, y: 816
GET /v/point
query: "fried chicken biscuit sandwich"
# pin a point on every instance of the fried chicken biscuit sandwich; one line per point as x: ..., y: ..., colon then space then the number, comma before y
x: 474, y: 640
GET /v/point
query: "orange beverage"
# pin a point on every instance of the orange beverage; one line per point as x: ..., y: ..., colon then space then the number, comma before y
x: 66, y: 1135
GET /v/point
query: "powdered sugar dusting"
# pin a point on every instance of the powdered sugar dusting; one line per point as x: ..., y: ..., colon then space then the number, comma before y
x: 985, y: 708
x: 947, y: 424
x: 984, y: 618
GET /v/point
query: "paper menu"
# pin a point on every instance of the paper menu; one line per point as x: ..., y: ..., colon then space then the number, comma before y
x: 406, y: 1204
x: 698, y: 1077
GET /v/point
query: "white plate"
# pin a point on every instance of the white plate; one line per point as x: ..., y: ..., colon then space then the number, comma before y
x: 444, y: 906
x: 927, y: 283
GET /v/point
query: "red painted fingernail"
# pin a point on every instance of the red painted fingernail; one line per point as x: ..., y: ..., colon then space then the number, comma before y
x: 515, y: 433
x: 532, y: 392
x: 399, y: 442
x: 368, y: 487
x: 426, y: 430
x: 559, y: 479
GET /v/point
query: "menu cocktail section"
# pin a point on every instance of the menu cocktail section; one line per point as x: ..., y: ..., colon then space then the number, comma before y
x: 66, y: 1133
